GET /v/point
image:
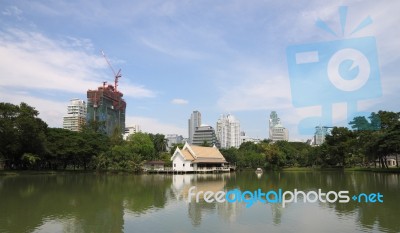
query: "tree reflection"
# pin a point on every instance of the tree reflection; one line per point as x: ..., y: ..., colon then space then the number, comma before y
x: 382, y: 215
x: 97, y: 202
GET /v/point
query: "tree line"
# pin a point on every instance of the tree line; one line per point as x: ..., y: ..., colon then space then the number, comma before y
x: 370, y: 141
x: 26, y: 142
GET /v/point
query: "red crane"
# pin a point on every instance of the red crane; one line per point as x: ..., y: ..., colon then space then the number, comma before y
x: 116, y: 75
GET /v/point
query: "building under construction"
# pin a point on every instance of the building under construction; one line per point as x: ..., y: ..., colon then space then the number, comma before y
x: 106, y: 106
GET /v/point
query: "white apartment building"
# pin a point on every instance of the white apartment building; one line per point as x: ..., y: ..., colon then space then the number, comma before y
x: 131, y: 130
x: 228, y: 131
x: 76, y: 115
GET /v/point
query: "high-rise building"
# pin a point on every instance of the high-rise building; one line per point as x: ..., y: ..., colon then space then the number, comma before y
x: 320, y: 134
x: 276, y: 130
x: 173, y: 139
x: 205, y: 134
x: 194, y: 122
x: 106, y: 107
x: 228, y: 131
x: 76, y: 115
x: 131, y: 130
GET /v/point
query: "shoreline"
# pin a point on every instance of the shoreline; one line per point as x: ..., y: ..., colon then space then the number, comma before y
x: 113, y: 172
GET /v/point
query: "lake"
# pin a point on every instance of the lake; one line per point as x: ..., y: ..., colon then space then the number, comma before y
x: 89, y: 202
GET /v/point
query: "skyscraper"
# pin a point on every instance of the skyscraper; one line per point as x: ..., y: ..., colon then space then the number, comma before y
x: 228, y: 131
x: 76, y: 115
x: 107, y: 107
x: 194, y: 122
x: 276, y: 130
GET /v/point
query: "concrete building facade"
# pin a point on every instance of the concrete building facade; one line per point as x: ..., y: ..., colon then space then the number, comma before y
x: 174, y: 139
x: 228, y: 131
x: 193, y: 123
x: 76, y: 115
x: 204, y: 134
x: 106, y: 107
x: 131, y: 130
x: 277, y: 132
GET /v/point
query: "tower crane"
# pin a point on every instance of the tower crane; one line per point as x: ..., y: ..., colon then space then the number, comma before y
x: 116, y: 75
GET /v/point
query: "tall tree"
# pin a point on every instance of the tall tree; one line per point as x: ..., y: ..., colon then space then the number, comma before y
x: 141, y: 144
x: 340, y: 141
x: 159, y: 142
x: 21, y: 131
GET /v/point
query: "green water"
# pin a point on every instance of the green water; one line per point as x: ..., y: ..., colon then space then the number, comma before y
x: 159, y: 203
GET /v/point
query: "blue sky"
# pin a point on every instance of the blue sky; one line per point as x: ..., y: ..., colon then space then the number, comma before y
x: 216, y: 57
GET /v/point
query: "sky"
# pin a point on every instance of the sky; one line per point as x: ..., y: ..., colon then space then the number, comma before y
x: 214, y: 56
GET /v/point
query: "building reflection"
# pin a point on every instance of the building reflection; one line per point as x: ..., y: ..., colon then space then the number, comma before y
x: 102, y: 203
x: 205, y: 182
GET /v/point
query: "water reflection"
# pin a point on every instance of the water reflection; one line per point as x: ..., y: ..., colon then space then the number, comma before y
x: 117, y: 203
x: 205, y: 182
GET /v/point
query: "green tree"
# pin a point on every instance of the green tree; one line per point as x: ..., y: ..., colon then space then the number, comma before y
x: 376, y: 144
x: 10, y: 146
x: 91, y: 144
x: 159, y: 142
x: 174, y: 146
x: 273, y: 156
x: 231, y: 155
x: 206, y: 144
x: 360, y: 123
x: 30, y: 160
x: 21, y: 131
x: 141, y: 144
x: 339, y: 142
x: 116, y: 137
x: 166, y: 157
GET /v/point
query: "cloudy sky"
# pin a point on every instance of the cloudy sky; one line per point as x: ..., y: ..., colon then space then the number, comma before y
x: 214, y: 56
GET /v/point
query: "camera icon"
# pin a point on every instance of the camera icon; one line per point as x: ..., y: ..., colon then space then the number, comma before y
x: 326, y: 73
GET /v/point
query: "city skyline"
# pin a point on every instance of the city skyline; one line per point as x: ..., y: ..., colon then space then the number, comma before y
x: 176, y: 57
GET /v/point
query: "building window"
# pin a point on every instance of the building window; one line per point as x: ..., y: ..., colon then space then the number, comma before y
x: 191, y: 165
x: 174, y: 164
x: 183, y: 164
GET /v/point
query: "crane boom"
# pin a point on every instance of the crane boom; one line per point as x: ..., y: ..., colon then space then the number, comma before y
x: 116, y: 75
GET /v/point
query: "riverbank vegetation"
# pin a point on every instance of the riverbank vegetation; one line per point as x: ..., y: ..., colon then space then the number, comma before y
x: 368, y: 143
x: 27, y: 143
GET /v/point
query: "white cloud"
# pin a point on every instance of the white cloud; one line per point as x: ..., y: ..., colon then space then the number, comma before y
x: 152, y: 125
x: 258, y: 88
x: 179, y: 101
x: 12, y: 11
x: 32, y: 60
x: 136, y: 91
x: 177, y: 52
x: 50, y: 111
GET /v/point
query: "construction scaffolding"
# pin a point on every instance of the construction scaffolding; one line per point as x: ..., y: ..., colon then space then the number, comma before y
x: 106, y: 106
